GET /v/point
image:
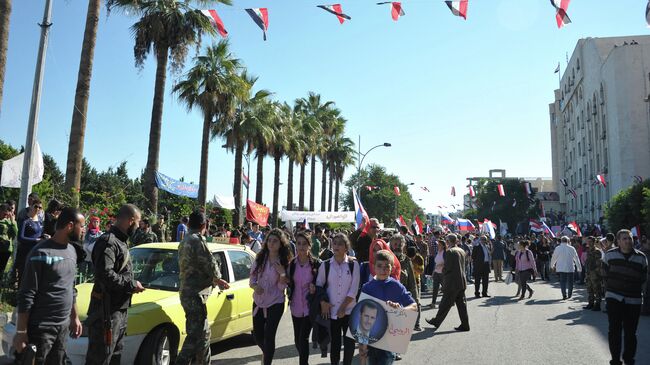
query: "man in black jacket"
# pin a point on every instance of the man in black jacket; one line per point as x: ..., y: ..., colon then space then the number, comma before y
x: 481, y: 261
x: 114, y: 286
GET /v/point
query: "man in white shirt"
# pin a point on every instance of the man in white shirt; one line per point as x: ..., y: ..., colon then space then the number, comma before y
x: 565, y: 262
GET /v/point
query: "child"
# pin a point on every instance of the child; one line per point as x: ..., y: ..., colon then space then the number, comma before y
x: 383, y: 287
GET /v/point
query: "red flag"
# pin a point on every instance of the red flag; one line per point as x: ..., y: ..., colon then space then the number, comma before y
x: 502, y: 192
x: 573, y: 226
x: 216, y: 21
x: 561, y: 16
x: 601, y: 180
x: 257, y: 213
x: 396, y: 190
x: 458, y: 8
x: 419, y: 223
x: 471, y: 192
x: 453, y: 191
x: 402, y: 222
x: 395, y: 9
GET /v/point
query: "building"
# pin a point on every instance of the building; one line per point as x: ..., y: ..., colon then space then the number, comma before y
x: 600, y: 123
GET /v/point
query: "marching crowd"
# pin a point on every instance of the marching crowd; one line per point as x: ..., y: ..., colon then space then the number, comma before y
x: 322, y: 272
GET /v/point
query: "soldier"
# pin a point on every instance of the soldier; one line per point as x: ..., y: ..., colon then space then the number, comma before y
x: 114, y: 286
x: 160, y: 228
x: 146, y: 235
x: 199, y: 273
x: 594, y: 274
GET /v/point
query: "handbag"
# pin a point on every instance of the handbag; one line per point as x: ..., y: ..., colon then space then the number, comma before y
x: 508, y: 280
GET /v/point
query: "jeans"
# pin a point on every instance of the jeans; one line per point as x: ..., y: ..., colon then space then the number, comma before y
x: 566, y: 280
x: 301, y: 329
x: 380, y: 357
x: 437, y: 281
x: 622, y: 318
x: 338, y: 328
x: 50, y: 344
x: 544, y: 269
x: 264, y: 329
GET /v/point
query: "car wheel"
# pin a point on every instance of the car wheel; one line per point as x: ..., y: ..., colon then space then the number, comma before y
x: 159, y: 347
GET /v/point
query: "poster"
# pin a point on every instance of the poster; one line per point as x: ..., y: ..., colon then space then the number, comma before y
x: 257, y: 213
x: 374, y: 323
x: 320, y: 217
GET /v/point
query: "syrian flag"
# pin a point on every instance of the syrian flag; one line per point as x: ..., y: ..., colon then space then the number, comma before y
x: 561, y: 16
x: 601, y: 180
x: 564, y: 182
x: 360, y: 212
x: 501, y: 190
x: 453, y: 191
x: 536, y: 226
x: 573, y: 227
x: 261, y: 17
x: 336, y: 10
x: 528, y: 188
x: 418, y: 226
x: 557, y: 69
x: 395, y: 9
x: 458, y: 8
x: 216, y: 21
x: 573, y: 192
x: 638, y: 179
x: 472, y: 193
x: 402, y: 222
x: 396, y: 190
x: 636, y: 231
x: 425, y: 188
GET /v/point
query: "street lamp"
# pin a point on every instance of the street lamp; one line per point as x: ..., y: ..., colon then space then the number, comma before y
x: 362, y: 156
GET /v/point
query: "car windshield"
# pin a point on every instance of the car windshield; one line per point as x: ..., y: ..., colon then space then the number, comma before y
x: 156, y: 268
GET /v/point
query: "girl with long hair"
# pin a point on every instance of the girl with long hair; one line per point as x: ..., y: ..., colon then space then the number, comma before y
x: 269, y: 280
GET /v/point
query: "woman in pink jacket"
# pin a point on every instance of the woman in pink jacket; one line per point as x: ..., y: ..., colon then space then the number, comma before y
x: 525, y: 268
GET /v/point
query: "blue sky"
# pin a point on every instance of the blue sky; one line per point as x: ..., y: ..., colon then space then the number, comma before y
x: 455, y: 98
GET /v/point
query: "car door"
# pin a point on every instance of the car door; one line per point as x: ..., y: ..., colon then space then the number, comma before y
x: 241, y: 262
x: 222, y: 303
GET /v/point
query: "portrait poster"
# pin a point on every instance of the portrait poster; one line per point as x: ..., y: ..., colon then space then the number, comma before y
x: 374, y: 323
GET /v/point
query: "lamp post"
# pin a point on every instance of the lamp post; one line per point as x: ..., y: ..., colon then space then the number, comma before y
x: 362, y: 156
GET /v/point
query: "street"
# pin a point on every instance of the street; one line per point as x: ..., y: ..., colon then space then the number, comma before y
x: 540, y: 330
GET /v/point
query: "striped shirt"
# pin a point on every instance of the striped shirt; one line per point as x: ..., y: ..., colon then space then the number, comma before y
x: 625, y: 275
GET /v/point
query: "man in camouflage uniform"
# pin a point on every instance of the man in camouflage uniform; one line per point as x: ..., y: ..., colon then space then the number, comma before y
x: 594, y: 274
x: 160, y: 228
x: 199, y: 273
x: 145, y: 235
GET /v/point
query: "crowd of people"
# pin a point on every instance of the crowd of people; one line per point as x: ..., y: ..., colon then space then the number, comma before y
x: 321, y: 272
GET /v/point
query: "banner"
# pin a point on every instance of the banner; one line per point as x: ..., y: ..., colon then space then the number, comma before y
x: 257, y: 213
x: 176, y: 187
x: 320, y: 217
x: 225, y: 202
x: 12, y: 169
x: 373, y: 322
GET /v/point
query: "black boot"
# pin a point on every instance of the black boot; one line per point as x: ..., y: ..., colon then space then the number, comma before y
x: 589, y: 306
x: 596, y: 307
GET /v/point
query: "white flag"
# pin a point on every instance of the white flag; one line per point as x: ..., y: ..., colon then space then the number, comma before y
x: 12, y: 169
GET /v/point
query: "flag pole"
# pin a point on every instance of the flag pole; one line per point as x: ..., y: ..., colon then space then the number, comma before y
x: 32, y: 126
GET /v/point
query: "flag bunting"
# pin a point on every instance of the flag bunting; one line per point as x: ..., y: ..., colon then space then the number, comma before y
x: 261, y: 17
x: 458, y: 8
x: 216, y: 21
x: 336, y: 10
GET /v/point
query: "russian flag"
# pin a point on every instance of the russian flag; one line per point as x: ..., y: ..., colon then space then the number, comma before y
x: 489, y: 228
x: 464, y: 225
x: 360, y: 212
x: 636, y: 231
x: 446, y: 219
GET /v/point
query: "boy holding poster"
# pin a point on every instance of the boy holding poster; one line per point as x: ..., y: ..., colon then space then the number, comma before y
x: 383, y: 287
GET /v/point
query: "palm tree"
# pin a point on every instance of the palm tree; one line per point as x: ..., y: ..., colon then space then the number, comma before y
x: 341, y: 155
x: 5, y: 15
x: 166, y: 28
x: 239, y: 131
x: 278, y: 147
x: 213, y: 86
x: 262, y: 142
x: 314, y: 112
x: 333, y: 125
x: 295, y: 151
x: 80, y: 109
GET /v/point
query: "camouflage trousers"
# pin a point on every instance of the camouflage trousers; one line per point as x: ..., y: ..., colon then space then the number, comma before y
x: 594, y: 287
x: 196, y: 348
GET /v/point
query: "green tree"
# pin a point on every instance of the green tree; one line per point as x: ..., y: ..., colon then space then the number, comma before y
x: 262, y: 141
x: 630, y: 207
x: 278, y: 147
x: 295, y: 150
x: 497, y: 208
x: 214, y: 86
x: 341, y: 155
x: 166, y: 28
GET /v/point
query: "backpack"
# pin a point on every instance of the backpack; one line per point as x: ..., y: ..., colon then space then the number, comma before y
x: 327, y: 271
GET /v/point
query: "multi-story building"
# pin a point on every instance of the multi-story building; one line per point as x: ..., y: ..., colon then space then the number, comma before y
x: 600, y: 123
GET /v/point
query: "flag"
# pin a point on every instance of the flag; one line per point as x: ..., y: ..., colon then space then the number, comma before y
x: 503, y: 228
x: 638, y: 179
x: 548, y: 230
x: 573, y: 192
x: 636, y: 231
x: 464, y: 225
x: 561, y: 16
x: 305, y: 224
x: 564, y: 182
x: 360, y: 212
x: 573, y: 227
x: 245, y: 180
x: 489, y: 228
x: 528, y: 188
x: 261, y: 17
x: 471, y: 191
x: 396, y: 190
x: 535, y: 226
x: 12, y: 169
x: 453, y: 191
x: 402, y: 222
x: 216, y: 21
x: 458, y: 8
x: 446, y: 219
x: 428, y: 229
x: 601, y: 180
x: 424, y: 188
x: 418, y: 226
x: 395, y: 9
x: 557, y: 69
x: 501, y: 190
x: 336, y: 10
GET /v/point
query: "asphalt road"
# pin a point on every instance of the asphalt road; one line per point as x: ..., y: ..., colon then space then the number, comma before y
x: 540, y: 330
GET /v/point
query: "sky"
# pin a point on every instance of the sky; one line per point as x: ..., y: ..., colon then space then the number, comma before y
x: 455, y: 98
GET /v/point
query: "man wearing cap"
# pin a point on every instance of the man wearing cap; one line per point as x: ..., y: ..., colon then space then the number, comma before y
x: 160, y: 228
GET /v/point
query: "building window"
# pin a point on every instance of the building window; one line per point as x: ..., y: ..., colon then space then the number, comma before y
x: 578, y: 64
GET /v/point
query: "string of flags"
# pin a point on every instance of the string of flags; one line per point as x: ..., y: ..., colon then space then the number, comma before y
x: 396, y: 10
x: 261, y: 17
x: 337, y: 10
x: 458, y: 8
x: 561, y: 15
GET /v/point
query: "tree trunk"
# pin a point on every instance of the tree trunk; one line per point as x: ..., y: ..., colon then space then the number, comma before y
x: 82, y: 93
x: 260, y: 179
x: 336, y: 196
x: 203, y: 172
x: 290, y: 186
x: 312, y: 184
x: 153, y: 156
x: 331, y: 187
x: 5, y: 15
x: 301, y: 193
x: 276, y: 190
x: 323, y: 187
x: 237, y: 186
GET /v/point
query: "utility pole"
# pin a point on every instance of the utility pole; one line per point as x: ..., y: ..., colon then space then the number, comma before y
x: 32, y: 126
